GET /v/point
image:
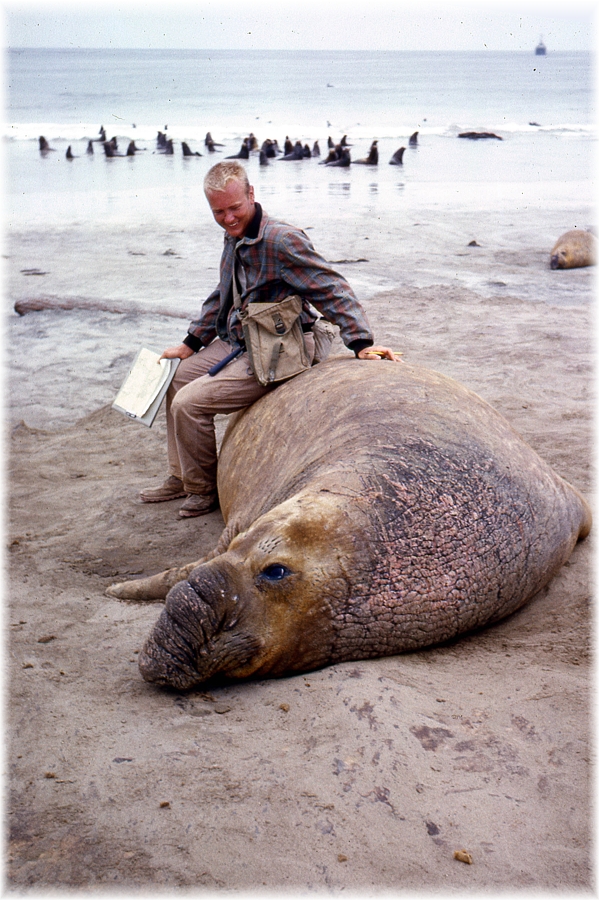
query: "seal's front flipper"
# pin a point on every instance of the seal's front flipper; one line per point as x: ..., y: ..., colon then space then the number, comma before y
x: 154, y: 587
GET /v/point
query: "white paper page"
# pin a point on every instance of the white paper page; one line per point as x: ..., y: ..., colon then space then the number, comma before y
x: 143, y: 382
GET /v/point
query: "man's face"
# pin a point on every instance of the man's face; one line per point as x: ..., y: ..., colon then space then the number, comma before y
x: 233, y: 208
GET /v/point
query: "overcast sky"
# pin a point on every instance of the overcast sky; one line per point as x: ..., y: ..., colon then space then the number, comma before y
x: 303, y: 24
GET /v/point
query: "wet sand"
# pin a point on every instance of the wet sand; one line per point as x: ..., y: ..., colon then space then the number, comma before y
x: 360, y: 777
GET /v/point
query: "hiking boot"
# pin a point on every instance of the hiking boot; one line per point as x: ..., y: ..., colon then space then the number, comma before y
x: 171, y: 489
x: 198, y: 505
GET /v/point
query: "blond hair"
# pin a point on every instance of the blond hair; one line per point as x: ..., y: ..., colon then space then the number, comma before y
x: 217, y: 178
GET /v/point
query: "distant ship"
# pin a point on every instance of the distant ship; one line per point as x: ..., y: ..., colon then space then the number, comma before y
x: 540, y: 50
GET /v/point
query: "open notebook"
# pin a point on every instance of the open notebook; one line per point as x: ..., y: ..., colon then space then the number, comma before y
x: 146, y: 384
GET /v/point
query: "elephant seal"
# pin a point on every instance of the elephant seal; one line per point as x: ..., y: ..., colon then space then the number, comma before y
x: 210, y: 143
x: 343, y: 160
x: 109, y: 150
x: 185, y: 149
x: 370, y: 508
x: 479, y: 135
x: 244, y: 151
x: 164, y: 144
x: 372, y: 159
x: 396, y: 159
x: 333, y: 154
x: 268, y: 148
x: 297, y: 152
x: 44, y: 145
x: 574, y: 249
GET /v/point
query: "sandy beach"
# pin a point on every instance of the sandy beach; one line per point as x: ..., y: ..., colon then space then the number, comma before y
x: 361, y: 777
x: 366, y: 777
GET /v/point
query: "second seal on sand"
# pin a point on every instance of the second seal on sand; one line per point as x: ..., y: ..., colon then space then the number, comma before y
x: 574, y: 249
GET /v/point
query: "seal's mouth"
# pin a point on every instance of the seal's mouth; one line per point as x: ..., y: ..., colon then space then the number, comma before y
x: 180, y: 651
x: 184, y: 627
x: 197, y: 634
x: 159, y: 667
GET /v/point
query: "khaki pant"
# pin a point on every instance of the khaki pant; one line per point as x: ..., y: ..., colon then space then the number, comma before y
x: 193, y: 400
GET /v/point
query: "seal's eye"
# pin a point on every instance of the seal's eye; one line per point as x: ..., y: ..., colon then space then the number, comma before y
x: 276, y: 572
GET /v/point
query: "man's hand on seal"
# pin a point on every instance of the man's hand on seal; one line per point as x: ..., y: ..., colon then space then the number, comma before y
x: 181, y: 351
x: 377, y: 353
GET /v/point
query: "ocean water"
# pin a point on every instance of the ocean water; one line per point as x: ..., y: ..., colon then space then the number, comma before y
x: 137, y: 232
x: 66, y: 96
x: 231, y: 93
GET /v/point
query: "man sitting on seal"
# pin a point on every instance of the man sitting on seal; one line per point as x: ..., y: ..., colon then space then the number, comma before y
x: 272, y: 261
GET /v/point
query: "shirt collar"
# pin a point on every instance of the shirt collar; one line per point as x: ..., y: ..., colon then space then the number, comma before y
x: 254, y: 226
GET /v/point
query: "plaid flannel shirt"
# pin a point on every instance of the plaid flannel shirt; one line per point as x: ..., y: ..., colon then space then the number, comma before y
x: 279, y: 262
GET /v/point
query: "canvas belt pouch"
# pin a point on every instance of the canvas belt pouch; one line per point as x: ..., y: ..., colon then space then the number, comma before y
x: 273, y: 336
x: 274, y: 339
x: 324, y: 334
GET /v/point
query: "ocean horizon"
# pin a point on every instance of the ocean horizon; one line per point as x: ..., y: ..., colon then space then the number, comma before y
x: 71, y: 92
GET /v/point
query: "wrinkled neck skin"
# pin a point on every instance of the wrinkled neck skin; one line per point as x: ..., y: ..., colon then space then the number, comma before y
x: 266, y: 606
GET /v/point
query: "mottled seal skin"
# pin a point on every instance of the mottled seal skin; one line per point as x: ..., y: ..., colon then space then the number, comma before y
x: 371, y: 508
x: 574, y: 249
